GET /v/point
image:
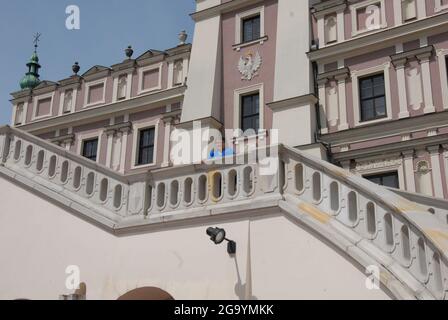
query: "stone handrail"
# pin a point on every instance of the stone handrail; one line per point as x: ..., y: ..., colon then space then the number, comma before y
x: 403, y: 236
x: 405, y: 232
x: 55, y: 170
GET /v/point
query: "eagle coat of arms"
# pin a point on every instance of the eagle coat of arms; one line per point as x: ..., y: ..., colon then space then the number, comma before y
x: 249, y: 65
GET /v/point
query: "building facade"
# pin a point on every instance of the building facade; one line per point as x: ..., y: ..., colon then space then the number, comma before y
x: 349, y: 97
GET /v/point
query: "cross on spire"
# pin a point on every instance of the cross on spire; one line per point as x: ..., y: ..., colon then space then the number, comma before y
x: 36, y: 40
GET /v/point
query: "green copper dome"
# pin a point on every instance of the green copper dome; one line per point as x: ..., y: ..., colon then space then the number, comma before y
x: 31, y: 79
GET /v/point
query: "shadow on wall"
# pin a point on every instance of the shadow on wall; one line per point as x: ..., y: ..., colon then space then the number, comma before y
x: 243, y: 291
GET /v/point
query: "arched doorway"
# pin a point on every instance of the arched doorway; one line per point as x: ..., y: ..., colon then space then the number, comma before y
x: 146, y: 293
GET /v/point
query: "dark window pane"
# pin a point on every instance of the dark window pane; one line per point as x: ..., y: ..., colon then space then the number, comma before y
x: 251, y: 28
x: 89, y: 149
x: 250, y: 106
x: 372, y: 98
x: 389, y: 179
x: 146, y: 146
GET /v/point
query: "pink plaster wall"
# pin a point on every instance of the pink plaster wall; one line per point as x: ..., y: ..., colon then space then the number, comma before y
x: 231, y: 76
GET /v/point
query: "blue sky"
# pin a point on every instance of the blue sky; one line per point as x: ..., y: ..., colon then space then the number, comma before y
x: 107, y: 28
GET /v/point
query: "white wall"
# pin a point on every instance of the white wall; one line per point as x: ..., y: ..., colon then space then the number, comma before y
x: 38, y: 240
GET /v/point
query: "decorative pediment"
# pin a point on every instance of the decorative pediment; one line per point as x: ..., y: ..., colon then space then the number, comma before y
x: 45, y: 83
x: 95, y: 70
x: 127, y: 64
x: 149, y: 54
x: 45, y: 87
x: 73, y: 80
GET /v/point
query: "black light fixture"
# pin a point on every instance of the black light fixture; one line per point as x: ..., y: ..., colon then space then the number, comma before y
x: 218, y: 235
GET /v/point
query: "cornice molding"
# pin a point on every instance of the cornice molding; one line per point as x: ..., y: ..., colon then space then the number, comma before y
x: 292, y: 102
x: 382, y: 39
x: 136, y: 104
x: 388, y: 128
x: 222, y: 8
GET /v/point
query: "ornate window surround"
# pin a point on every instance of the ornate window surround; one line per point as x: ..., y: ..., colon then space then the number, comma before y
x: 442, y: 55
x: 171, y: 61
x: 136, y: 128
x: 238, y: 22
x: 116, y: 77
x: 379, y: 165
x: 88, y: 136
x: 36, y: 103
x: 356, y: 74
x: 356, y: 6
x: 62, y: 98
x: 87, y: 87
x: 24, y: 115
x: 237, y: 103
x: 340, y: 23
x: 142, y: 71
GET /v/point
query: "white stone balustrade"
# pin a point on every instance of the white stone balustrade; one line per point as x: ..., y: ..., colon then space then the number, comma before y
x: 407, y: 233
x: 403, y: 233
x: 74, y: 177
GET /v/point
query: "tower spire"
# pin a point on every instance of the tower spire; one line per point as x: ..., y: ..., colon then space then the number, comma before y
x: 31, y: 78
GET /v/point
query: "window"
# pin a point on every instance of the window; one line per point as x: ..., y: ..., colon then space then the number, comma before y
x: 146, y: 146
x: 389, y: 179
x: 372, y: 97
x: 250, y: 112
x: 90, y: 149
x: 251, y: 28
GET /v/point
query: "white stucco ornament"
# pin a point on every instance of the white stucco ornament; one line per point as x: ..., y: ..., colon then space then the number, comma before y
x: 249, y: 65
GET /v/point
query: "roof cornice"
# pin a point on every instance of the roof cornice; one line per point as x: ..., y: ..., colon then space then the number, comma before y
x: 382, y: 39
x: 222, y: 8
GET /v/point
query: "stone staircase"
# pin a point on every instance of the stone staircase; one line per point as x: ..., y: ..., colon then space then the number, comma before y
x: 404, y: 235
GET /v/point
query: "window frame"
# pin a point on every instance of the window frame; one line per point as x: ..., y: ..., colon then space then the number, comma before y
x: 140, y: 147
x: 141, y: 73
x: 253, y: 115
x: 36, y: 101
x: 89, y: 136
x: 373, y: 98
x: 87, y: 88
x: 238, y: 93
x: 354, y: 16
x: 239, y: 17
x: 136, y: 128
x: 355, y: 76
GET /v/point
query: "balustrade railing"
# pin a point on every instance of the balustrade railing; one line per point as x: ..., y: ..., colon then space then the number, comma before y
x: 408, y: 232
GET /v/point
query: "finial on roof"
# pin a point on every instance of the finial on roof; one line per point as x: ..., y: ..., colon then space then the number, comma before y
x: 182, y: 37
x: 76, y: 68
x: 129, y: 52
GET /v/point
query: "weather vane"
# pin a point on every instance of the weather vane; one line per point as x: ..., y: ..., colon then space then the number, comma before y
x: 36, y: 39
